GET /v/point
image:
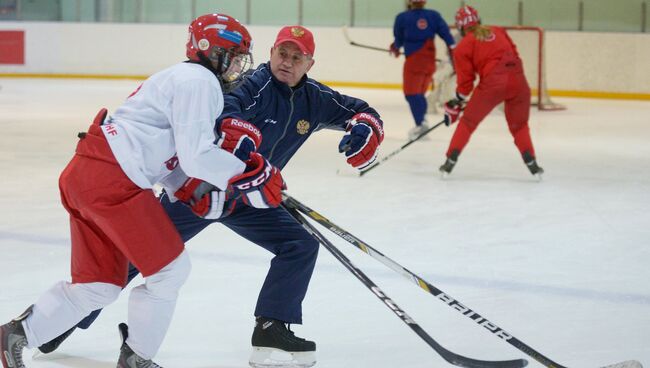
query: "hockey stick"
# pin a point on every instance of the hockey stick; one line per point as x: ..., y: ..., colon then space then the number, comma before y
x: 439, y: 294
x: 388, y: 156
x: 353, y: 43
x: 447, y: 355
x: 347, y: 38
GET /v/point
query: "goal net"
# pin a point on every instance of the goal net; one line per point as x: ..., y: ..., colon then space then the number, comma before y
x: 530, y: 43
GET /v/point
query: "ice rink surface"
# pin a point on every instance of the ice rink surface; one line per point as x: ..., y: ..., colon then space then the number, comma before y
x: 561, y: 264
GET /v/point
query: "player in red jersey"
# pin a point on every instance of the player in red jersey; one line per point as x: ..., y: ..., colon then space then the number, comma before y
x: 489, y: 53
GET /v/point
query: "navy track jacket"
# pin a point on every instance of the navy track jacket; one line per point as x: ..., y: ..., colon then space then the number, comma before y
x: 288, y: 116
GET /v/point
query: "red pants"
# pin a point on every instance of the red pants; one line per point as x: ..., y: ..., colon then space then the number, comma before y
x: 112, y: 221
x: 505, y: 83
x: 418, y: 70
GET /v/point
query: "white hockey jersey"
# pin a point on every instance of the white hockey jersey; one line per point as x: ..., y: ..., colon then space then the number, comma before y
x: 169, y: 121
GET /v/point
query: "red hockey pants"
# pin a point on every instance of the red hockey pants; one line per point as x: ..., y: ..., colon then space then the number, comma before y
x: 505, y: 83
x: 418, y: 70
x: 112, y: 221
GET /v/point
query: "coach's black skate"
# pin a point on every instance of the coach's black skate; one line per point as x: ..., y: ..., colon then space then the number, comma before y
x: 275, y: 345
x: 54, y: 344
x: 531, y: 164
x: 13, y: 341
x: 128, y: 358
x: 449, y: 164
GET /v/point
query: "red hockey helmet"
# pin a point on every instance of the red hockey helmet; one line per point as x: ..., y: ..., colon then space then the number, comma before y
x: 466, y: 17
x: 223, y: 41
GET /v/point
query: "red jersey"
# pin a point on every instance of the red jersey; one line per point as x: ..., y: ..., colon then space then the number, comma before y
x: 472, y: 57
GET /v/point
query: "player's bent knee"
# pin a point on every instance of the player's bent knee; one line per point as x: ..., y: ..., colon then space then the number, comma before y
x: 516, y: 128
x: 88, y: 297
x: 166, y: 282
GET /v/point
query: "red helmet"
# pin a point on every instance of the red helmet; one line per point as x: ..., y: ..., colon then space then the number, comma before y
x: 466, y: 17
x: 223, y: 41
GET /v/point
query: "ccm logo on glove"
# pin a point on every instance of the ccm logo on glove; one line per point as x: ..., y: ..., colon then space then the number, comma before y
x: 261, y: 185
x: 256, y: 181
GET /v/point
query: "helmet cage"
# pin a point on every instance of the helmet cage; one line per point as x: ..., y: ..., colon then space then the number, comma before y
x: 229, y: 64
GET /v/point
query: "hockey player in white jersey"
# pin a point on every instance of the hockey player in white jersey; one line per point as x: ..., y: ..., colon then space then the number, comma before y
x: 114, y: 216
x: 287, y: 107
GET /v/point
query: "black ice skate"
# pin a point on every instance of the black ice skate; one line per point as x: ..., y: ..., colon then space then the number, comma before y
x: 449, y: 164
x: 275, y: 345
x: 128, y: 358
x: 54, y: 344
x: 13, y: 341
x: 531, y: 164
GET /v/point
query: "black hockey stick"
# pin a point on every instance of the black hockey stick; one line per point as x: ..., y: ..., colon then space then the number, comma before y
x: 449, y: 356
x: 347, y: 38
x: 353, y: 43
x: 388, y: 156
x: 439, y: 294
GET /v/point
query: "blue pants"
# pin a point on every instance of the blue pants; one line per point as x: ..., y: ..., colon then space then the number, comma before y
x: 273, y: 229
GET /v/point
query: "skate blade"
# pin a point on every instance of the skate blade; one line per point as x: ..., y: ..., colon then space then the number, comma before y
x: 276, y: 358
x: 443, y: 175
x: 626, y: 364
x: 52, y: 356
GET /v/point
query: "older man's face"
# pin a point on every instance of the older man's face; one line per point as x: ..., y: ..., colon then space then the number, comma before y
x: 289, y: 64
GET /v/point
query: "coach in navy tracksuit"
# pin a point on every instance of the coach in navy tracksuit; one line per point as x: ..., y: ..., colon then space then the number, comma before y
x: 286, y: 116
x: 287, y: 107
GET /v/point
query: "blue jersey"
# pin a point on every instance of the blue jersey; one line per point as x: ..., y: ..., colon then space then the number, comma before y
x: 414, y: 27
x: 288, y: 116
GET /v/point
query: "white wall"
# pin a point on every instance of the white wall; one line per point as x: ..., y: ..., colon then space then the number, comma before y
x: 607, y: 62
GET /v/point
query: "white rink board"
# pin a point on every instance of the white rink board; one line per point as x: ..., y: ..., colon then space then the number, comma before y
x: 575, y: 61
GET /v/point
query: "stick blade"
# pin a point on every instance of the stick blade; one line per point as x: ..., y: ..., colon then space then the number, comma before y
x: 625, y: 364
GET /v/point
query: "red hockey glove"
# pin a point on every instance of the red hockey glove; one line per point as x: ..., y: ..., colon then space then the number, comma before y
x: 365, y: 134
x: 238, y: 137
x: 453, y: 108
x: 261, y: 185
x: 394, y: 51
x: 203, y: 198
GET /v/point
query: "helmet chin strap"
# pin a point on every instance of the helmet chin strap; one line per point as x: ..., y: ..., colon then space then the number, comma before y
x: 210, y: 65
x: 215, y: 69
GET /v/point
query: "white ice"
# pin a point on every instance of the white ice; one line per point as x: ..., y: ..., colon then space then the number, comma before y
x: 561, y: 264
